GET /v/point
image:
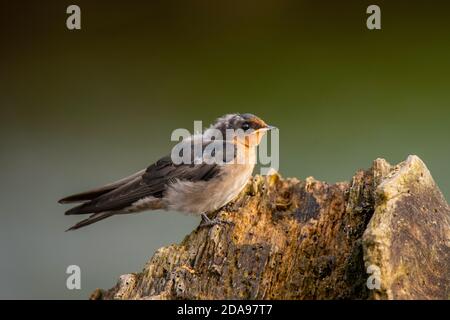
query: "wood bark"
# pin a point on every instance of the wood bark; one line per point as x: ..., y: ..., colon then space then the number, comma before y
x: 383, y: 235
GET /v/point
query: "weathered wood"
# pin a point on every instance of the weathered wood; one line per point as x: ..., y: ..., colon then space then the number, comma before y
x: 408, y: 237
x: 293, y: 239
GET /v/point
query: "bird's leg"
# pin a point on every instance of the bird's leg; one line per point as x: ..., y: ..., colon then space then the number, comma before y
x: 206, y: 222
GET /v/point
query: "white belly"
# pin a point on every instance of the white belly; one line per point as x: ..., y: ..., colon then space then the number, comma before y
x: 207, y: 196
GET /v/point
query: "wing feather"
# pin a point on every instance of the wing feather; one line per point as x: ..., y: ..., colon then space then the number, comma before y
x: 151, y: 182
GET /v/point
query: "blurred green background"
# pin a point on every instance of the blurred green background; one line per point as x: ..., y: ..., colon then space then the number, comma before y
x: 82, y: 108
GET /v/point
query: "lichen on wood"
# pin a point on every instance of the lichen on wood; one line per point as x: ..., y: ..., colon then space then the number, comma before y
x: 307, y: 239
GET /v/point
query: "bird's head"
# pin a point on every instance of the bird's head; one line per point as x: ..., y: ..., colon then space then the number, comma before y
x: 248, y: 128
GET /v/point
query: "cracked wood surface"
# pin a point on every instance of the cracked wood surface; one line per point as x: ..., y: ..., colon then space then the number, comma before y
x: 294, y: 239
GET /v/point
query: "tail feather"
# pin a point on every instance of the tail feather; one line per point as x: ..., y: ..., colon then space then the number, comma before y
x: 92, y: 219
x: 94, y: 193
x: 85, y: 196
x: 84, y: 208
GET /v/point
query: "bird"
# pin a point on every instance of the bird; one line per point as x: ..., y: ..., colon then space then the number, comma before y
x: 199, y: 186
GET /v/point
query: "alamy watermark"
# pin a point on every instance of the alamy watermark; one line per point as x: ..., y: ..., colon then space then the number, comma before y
x: 214, y: 146
x: 374, y: 280
x: 373, y: 21
x: 73, y: 281
x: 73, y: 21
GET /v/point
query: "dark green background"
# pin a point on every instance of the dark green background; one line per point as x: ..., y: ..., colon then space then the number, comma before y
x: 82, y: 108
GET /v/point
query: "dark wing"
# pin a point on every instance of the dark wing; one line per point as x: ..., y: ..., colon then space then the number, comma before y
x: 159, y: 175
x: 153, y: 182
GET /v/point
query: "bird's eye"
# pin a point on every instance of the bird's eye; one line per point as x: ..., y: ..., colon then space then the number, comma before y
x: 245, y: 126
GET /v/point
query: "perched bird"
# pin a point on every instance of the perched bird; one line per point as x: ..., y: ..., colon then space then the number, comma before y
x: 199, y: 186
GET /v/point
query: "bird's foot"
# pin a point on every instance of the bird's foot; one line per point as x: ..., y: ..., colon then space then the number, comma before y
x: 229, y: 206
x: 207, y: 222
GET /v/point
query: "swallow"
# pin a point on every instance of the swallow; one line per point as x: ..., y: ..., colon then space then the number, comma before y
x: 199, y: 186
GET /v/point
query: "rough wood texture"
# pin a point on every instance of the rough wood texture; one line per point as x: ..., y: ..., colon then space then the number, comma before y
x: 408, y: 236
x: 308, y: 239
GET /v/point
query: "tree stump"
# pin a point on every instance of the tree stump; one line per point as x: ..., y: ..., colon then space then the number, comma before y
x: 384, y: 235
